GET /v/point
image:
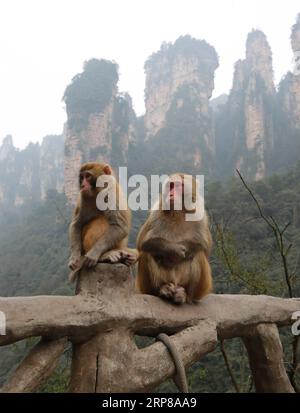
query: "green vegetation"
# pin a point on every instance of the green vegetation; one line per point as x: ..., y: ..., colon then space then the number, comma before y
x: 34, y: 253
x: 186, y: 46
x: 90, y: 91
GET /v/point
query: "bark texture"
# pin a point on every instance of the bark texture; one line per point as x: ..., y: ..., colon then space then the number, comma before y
x: 105, y: 314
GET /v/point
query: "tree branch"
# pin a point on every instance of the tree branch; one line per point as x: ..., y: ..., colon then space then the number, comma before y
x: 266, y: 360
x: 36, y: 367
x: 106, y: 299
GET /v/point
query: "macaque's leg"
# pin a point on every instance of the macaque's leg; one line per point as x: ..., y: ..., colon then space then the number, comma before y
x: 93, y: 231
x: 118, y: 228
x: 203, y: 285
x: 144, y: 281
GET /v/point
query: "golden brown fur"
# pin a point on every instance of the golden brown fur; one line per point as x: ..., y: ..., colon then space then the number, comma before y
x: 166, y: 234
x: 95, y: 235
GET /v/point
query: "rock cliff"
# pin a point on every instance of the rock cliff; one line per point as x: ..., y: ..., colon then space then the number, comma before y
x: 245, y: 130
x: 179, y: 84
x: 27, y: 175
x: 100, y: 121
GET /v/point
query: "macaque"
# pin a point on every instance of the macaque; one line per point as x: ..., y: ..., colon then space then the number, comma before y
x: 98, y: 235
x: 173, y: 261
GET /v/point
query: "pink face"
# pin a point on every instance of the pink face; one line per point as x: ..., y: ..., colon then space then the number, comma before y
x: 86, y: 181
x: 173, y: 193
x: 176, y: 190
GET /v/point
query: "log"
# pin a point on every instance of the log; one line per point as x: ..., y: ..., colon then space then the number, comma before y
x: 116, y: 304
x: 266, y: 360
x: 105, y: 314
x: 102, y: 365
x: 36, y: 367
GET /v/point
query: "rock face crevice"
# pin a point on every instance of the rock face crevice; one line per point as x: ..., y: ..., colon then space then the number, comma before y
x: 295, y: 84
x: 247, y: 120
x: 27, y: 175
x: 179, y: 84
x: 290, y: 86
x: 255, y: 128
x: 102, y: 133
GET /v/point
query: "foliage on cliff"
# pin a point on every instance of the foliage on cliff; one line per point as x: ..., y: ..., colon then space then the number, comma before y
x: 27, y: 174
x: 34, y: 251
x: 186, y: 46
x: 90, y: 91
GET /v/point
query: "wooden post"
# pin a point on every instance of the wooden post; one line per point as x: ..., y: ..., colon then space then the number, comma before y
x: 266, y: 359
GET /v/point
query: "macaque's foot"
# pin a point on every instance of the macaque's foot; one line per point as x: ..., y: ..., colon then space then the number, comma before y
x: 167, y: 291
x: 180, y: 296
x: 73, y: 275
x: 125, y: 257
x: 74, y: 262
x: 174, y: 293
x: 90, y: 260
x: 129, y: 257
x: 112, y: 256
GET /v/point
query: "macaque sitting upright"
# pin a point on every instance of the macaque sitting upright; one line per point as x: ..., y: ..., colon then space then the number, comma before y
x: 98, y: 235
x: 173, y: 261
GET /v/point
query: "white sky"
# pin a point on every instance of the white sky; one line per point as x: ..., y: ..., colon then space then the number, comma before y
x: 43, y: 44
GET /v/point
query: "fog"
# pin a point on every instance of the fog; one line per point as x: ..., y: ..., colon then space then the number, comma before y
x: 43, y: 44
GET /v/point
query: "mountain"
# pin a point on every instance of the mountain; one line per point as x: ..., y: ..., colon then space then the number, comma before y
x: 288, y: 109
x: 245, y: 126
x: 178, y: 121
x: 255, y: 128
x: 100, y: 121
x: 27, y: 175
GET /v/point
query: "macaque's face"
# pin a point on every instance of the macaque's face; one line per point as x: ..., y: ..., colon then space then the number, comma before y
x: 173, y: 191
x: 88, y: 176
x: 87, y: 182
x: 179, y: 193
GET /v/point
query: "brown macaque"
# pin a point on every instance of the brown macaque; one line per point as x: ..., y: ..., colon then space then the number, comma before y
x: 173, y: 261
x: 98, y: 235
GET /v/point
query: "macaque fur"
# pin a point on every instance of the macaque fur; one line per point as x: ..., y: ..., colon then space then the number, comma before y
x: 95, y: 235
x: 173, y: 261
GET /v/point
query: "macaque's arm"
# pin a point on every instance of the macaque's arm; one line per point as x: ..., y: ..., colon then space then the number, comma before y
x: 192, y: 248
x: 118, y: 230
x: 160, y: 248
x: 75, y: 236
x: 75, y: 244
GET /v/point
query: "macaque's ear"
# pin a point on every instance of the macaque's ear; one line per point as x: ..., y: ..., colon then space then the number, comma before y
x: 107, y: 170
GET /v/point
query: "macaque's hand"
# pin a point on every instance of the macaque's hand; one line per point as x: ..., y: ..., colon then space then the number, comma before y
x: 91, y: 259
x: 74, y: 261
x: 178, y: 250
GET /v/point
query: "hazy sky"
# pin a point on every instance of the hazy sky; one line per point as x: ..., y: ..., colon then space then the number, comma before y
x: 43, y: 44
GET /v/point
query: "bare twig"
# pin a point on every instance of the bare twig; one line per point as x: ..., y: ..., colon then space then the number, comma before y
x: 278, y: 234
x: 283, y: 251
x: 228, y: 367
